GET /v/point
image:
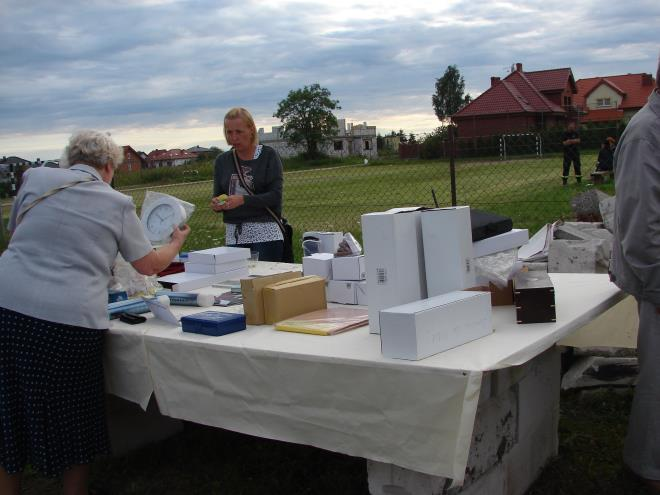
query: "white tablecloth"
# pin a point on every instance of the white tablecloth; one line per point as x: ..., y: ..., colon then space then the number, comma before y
x: 339, y: 393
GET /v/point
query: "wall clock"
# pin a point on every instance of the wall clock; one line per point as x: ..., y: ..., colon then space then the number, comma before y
x: 160, y: 217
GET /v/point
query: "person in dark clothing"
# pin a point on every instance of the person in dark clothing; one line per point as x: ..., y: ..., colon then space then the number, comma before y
x: 570, y: 141
x: 605, y: 157
x: 247, y: 220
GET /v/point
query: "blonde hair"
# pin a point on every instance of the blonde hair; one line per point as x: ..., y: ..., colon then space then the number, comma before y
x: 92, y: 148
x: 244, y: 115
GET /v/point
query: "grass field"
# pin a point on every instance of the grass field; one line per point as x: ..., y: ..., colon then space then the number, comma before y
x: 333, y: 198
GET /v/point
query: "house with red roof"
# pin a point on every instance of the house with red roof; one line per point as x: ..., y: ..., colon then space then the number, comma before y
x: 169, y: 158
x: 133, y: 162
x: 612, y: 98
x: 521, y: 102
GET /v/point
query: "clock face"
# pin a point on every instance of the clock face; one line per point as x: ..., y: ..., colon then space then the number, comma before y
x: 161, y: 217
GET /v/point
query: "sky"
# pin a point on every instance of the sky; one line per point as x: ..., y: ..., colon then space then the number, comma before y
x: 162, y: 73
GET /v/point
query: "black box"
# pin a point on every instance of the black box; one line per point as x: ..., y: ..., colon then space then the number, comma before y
x: 534, y: 297
x: 486, y: 224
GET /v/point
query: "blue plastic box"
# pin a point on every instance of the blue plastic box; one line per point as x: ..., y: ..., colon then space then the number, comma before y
x: 213, y: 323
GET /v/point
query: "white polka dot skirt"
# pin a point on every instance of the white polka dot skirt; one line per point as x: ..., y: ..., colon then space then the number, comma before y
x: 52, y: 399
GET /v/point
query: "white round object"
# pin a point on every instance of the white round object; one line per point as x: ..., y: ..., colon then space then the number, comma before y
x: 161, y: 216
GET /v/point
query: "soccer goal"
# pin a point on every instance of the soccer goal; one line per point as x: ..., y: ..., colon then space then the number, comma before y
x: 520, y: 144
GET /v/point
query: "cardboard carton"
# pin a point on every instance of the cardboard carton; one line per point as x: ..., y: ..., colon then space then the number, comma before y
x: 349, y: 268
x: 318, y: 264
x: 295, y: 297
x: 502, y: 242
x: 252, y: 290
x: 342, y: 291
x: 215, y: 267
x: 420, y: 329
x: 221, y: 254
x: 395, y: 260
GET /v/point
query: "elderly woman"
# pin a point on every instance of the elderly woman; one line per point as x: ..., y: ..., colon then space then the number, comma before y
x: 67, y: 227
x: 250, y: 174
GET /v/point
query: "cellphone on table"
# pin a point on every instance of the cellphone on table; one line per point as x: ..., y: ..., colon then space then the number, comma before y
x: 131, y: 319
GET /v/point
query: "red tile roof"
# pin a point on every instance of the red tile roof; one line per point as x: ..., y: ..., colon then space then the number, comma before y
x: 602, y: 115
x: 174, y: 154
x: 516, y: 93
x: 635, y: 89
x: 551, y: 79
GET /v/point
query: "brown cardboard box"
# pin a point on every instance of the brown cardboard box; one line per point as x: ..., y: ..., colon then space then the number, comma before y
x: 252, y: 289
x: 499, y: 296
x: 295, y: 297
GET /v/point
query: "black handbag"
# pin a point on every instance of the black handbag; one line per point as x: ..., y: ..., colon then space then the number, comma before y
x: 287, y: 230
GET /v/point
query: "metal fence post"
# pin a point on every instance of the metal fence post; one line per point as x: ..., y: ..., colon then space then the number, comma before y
x: 452, y: 163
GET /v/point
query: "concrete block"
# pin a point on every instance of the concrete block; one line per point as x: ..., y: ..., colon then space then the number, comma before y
x: 578, y: 256
x: 586, y: 205
x: 606, y: 207
x: 515, y: 434
x: 599, y: 371
x: 570, y: 232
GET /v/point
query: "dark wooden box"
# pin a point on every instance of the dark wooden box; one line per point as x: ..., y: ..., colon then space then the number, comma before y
x: 534, y: 297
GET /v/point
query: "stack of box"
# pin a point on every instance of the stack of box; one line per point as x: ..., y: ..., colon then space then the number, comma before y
x: 345, y: 276
x: 209, y: 266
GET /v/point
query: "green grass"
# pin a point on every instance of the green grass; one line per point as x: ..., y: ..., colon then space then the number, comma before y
x: 203, y: 460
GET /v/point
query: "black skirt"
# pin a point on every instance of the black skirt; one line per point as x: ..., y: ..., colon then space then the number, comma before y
x: 52, y: 400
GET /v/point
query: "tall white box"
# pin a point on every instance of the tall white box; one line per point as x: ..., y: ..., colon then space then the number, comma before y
x: 318, y: 264
x: 395, y: 259
x: 420, y: 329
x: 448, y: 254
x: 349, y: 268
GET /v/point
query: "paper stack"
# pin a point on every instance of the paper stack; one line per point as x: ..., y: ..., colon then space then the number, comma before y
x: 328, y: 321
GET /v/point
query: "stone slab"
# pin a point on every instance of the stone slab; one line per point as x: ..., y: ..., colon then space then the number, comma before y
x: 589, y: 256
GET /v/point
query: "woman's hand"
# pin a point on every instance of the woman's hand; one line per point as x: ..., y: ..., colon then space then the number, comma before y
x: 229, y: 204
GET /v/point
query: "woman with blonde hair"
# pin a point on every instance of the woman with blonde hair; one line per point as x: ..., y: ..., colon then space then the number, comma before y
x: 250, y: 175
x: 67, y: 227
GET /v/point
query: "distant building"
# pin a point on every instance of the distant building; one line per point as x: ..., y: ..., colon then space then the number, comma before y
x: 521, y: 102
x: 169, y: 158
x: 16, y: 160
x: 198, y: 149
x: 133, y: 162
x: 351, y: 139
x: 392, y: 142
x: 612, y: 98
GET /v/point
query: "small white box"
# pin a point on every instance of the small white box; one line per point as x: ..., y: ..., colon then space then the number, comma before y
x: 420, y: 329
x: 502, y: 242
x: 395, y: 259
x: 361, y: 291
x: 448, y: 255
x: 222, y: 254
x: 349, y: 268
x: 318, y: 264
x: 214, y: 268
x: 185, y: 281
x: 342, y: 291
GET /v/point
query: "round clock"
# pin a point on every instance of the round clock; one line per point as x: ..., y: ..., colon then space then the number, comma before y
x: 161, y: 216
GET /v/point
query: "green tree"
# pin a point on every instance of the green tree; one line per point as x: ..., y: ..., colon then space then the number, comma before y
x: 307, y: 118
x: 449, y: 95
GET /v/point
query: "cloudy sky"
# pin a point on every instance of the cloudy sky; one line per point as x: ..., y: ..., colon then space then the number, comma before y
x: 161, y: 73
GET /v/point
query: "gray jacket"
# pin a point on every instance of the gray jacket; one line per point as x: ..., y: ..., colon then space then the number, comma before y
x: 635, y: 265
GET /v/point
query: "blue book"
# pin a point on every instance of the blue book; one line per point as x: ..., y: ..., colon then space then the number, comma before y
x: 213, y: 323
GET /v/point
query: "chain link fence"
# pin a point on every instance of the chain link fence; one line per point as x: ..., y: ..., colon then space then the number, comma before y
x: 515, y: 175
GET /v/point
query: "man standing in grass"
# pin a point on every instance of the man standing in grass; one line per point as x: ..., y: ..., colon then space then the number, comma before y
x: 571, y: 139
x: 635, y: 268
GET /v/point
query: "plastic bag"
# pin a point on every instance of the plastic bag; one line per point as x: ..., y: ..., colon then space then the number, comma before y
x: 125, y: 277
x: 497, y: 268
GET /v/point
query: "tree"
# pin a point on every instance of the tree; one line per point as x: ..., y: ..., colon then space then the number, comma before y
x: 307, y: 117
x: 449, y: 95
x: 412, y: 139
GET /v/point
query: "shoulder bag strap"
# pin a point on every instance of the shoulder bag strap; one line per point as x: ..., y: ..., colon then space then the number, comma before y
x: 251, y: 192
x: 45, y: 195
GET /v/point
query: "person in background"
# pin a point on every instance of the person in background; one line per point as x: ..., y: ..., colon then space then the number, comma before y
x: 570, y: 141
x: 635, y: 268
x: 605, y: 157
x: 67, y: 226
x: 247, y: 220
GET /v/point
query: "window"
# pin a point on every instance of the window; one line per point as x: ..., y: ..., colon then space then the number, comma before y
x: 603, y: 102
x: 339, y: 145
x: 367, y: 145
x: 567, y: 101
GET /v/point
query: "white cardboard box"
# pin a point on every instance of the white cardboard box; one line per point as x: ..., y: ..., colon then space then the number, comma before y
x: 342, y: 291
x: 318, y: 264
x: 420, y: 329
x: 349, y: 268
x: 448, y: 254
x: 502, y: 242
x: 395, y: 259
x: 222, y: 254
x: 215, y: 268
x: 361, y: 291
x: 186, y: 281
